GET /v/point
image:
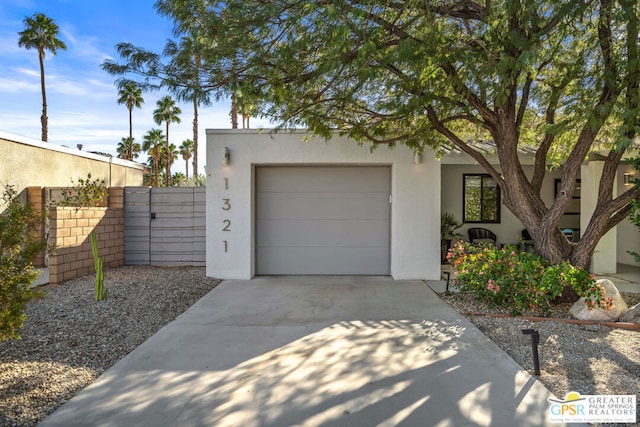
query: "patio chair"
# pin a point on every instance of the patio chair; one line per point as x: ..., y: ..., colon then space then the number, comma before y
x: 527, y: 242
x: 568, y: 233
x: 478, y: 234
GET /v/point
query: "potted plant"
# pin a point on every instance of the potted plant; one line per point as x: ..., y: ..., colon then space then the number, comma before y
x: 448, y: 227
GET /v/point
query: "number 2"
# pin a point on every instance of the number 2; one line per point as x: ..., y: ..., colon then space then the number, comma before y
x: 227, y: 225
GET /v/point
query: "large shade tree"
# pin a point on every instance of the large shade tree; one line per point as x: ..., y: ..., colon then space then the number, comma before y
x: 41, y: 33
x: 167, y: 112
x: 559, y: 78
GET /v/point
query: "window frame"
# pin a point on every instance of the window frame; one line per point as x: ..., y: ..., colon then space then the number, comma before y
x: 482, y: 177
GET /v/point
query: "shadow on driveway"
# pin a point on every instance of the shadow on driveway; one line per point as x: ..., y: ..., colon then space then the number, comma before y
x: 313, y: 351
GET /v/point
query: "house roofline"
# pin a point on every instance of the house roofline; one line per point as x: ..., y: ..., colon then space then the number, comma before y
x: 19, y: 139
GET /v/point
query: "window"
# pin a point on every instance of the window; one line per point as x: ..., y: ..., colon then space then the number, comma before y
x: 480, y: 198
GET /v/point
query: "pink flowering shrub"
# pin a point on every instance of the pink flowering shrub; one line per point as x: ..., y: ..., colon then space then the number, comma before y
x: 519, y: 280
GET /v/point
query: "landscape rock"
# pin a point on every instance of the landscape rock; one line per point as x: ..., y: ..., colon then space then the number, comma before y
x: 632, y: 315
x: 581, y: 311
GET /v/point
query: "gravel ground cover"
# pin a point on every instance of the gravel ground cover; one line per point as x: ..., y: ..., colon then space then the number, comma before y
x: 588, y: 359
x: 70, y: 339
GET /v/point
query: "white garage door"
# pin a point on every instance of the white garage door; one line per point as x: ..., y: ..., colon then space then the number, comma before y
x: 323, y: 220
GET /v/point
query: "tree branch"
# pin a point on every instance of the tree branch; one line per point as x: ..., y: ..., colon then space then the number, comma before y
x: 524, y: 101
x: 595, y: 121
x: 458, y: 142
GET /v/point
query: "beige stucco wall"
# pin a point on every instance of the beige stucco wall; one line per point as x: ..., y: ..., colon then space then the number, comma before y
x: 26, y: 162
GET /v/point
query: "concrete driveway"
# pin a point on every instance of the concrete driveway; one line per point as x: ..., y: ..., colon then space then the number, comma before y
x: 313, y: 351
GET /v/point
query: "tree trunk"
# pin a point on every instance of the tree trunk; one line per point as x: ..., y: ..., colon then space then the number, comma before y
x: 234, y: 113
x: 43, y: 118
x: 130, y: 148
x: 167, y: 167
x: 195, y: 140
x: 195, y: 118
x: 155, y: 168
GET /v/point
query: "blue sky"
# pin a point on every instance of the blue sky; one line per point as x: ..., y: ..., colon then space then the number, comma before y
x: 81, y: 98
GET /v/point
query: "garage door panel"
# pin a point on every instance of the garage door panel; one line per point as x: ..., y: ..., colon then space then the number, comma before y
x: 323, y: 220
x: 370, y: 261
x: 341, y: 233
x: 323, y: 206
x: 310, y: 179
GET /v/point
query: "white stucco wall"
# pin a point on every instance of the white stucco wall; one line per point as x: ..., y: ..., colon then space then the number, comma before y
x: 627, y: 233
x: 509, y: 229
x: 415, y: 210
x: 614, y: 246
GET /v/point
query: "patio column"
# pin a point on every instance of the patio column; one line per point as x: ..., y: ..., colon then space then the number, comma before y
x: 604, y: 257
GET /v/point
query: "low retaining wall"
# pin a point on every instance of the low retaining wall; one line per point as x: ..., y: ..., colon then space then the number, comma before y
x: 70, y: 234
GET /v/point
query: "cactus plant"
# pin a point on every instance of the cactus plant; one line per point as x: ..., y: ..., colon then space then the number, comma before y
x: 101, y: 292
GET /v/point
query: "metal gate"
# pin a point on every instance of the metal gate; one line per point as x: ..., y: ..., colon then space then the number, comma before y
x: 165, y: 226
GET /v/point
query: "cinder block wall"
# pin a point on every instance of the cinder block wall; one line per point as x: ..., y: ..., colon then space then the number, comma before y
x: 35, y: 197
x: 70, y: 233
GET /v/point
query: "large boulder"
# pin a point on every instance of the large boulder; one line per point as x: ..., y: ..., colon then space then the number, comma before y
x: 581, y: 311
x: 632, y: 315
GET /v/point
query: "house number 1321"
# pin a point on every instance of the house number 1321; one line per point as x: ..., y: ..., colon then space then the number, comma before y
x: 226, y: 223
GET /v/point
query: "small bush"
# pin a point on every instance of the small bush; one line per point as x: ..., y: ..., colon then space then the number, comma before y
x: 519, y: 280
x: 87, y: 193
x: 19, y: 243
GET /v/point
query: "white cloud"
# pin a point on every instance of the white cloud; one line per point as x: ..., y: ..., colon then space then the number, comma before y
x: 10, y: 85
x: 9, y: 45
x: 27, y: 72
x: 88, y: 49
x: 75, y: 86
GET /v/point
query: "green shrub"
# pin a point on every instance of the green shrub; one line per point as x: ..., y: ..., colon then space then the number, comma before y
x: 19, y: 243
x: 519, y: 280
x: 87, y: 193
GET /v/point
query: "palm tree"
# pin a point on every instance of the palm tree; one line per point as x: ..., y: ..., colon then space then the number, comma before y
x: 128, y: 149
x: 171, y: 156
x: 186, y: 151
x: 152, y: 143
x: 178, y: 179
x: 189, y: 24
x: 41, y: 33
x: 122, y: 148
x: 131, y: 95
x: 167, y: 112
x: 184, y: 69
